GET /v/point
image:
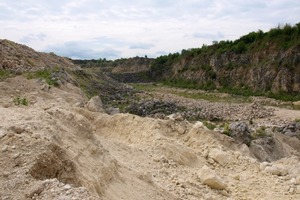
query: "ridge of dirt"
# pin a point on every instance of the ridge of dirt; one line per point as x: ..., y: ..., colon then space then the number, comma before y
x: 21, y: 58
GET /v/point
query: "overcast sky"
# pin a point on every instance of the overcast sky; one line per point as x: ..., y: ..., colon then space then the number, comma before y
x: 113, y: 28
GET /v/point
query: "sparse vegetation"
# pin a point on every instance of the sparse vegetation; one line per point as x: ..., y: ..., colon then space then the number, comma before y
x: 20, y: 101
x: 226, y: 130
x: 261, y: 132
x: 4, y: 74
x: 192, y: 94
x: 45, y: 74
x: 209, y: 125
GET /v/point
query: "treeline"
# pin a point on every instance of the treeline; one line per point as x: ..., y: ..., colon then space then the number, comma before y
x: 92, y: 62
x: 103, y: 62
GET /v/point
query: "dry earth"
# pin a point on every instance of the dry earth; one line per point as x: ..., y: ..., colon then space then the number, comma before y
x: 57, y: 148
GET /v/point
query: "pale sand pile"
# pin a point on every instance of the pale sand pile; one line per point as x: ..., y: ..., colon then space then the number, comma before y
x: 55, y: 149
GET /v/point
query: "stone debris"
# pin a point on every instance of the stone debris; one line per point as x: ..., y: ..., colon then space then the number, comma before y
x: 210, y: 178
x: 192, y: 109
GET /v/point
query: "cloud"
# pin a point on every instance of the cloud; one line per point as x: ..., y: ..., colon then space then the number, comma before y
x: 208, y: 35
x: 33, y: 37
x: 95, y: 28
x: 145, y: 46
x: 81, y: 50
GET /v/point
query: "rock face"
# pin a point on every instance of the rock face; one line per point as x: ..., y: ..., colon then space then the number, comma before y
x: 257, y: 76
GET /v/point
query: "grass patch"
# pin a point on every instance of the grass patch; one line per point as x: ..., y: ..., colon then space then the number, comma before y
x: 4, y: 74
x: 45, y: 74
x: 209, y: 125
x: 226, y: 130
x: 20, y: 101
x: 210, y: 96
x: 297, y: 120
x: 149, y: 87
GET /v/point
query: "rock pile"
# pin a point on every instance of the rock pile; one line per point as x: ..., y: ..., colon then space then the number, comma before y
x: 292, y: 129
x: 153, y: 108
x: 199, y: 109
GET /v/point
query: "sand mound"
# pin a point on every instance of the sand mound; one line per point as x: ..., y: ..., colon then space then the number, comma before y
x: 54, y: 148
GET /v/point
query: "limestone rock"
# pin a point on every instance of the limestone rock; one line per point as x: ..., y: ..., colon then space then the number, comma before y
x: 210, y: 178
x: 95, y: 104
x: 220, y: 156
x: 2, y: 133
x: 276, y: 170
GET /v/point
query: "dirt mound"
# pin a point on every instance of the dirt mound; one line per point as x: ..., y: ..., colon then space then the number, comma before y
x: 20, y: 58
x: 55, y: 148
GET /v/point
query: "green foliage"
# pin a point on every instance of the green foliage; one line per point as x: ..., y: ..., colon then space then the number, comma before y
x: 4, y: 74
x: 45, y: 74
x: 181, y: 83
x: 20, y: 101
x: 261, y: 132
x: 226, y: 130
x: 283, y: 36
x: 240, y: 47
x: 209, y: 125
x: 161, y: 65
x: 284, y: 96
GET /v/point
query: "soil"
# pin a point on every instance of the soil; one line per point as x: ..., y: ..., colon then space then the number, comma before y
x: 55, y: 148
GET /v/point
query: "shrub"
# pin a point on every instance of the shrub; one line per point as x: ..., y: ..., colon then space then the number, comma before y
x: 226, y: 130
x: 209, y: 125
x: 20, y: 101
x: 261, y: 132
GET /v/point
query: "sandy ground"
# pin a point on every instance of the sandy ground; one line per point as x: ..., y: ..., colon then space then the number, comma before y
x: 55, y: 148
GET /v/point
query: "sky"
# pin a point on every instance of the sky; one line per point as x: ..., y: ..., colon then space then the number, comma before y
x: 112, y: 29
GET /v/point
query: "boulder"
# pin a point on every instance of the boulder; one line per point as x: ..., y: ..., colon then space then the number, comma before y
x: 95, y: 104
x: 112, y: 110
x: 240, y: 132
x: 210, y: 178
x: 220, y: 156
x: 276, y: 170
x: 267, y: 149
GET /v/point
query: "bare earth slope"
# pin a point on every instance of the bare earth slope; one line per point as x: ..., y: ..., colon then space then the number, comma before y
x: 56, y: 149
x: 19, y: 58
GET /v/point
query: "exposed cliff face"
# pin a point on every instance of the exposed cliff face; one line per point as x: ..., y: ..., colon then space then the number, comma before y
x: 260, y: 71
x: 258, y: 62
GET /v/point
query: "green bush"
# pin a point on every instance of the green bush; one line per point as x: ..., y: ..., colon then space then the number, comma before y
x: 209, y: 125
x: 20, y: 101
x: 226, y: 130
